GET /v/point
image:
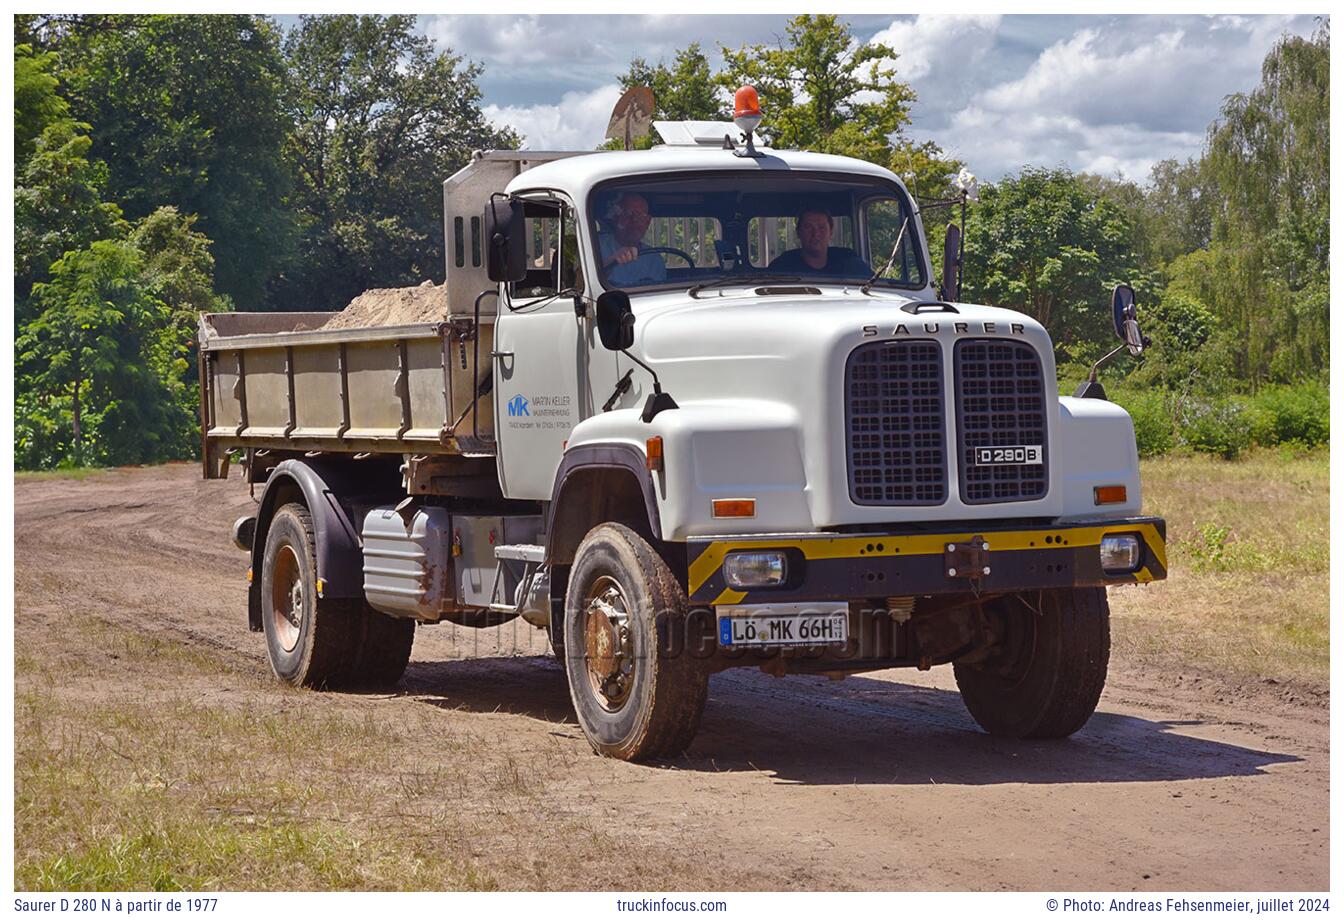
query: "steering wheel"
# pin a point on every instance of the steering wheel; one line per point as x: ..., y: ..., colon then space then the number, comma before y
x: 670, y: 251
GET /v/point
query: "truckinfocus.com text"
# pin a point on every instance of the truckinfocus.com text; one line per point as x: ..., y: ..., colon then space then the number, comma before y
x: 657, y: 905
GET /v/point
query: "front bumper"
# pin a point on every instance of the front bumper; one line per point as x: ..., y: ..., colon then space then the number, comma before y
x: 898, y: 564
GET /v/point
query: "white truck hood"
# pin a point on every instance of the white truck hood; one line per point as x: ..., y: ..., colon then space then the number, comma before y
x: 774, y: 347
x: 782, y: 359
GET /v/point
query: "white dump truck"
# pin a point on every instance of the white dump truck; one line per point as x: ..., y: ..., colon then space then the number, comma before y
x: 686, y: 409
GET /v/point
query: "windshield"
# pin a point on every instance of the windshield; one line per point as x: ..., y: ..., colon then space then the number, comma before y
x: 687, y: 230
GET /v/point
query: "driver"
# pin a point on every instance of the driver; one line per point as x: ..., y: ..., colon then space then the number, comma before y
x: 815, y: 254
x: 622, y: 250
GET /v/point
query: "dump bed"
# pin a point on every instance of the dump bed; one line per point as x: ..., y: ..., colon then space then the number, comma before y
x: 278, y: 381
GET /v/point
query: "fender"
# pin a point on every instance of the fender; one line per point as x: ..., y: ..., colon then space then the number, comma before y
x: 601, y: 456
x: 340, y: 559
x: 561, y: 540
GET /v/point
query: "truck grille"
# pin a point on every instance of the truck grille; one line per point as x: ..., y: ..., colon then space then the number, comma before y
x: 1000, y: 403
x: 894, y: 424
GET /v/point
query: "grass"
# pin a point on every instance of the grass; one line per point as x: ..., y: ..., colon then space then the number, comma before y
x: 74, y: 472
x: 146, y: 785
x: 1249, y: 553
x: 145, y: 764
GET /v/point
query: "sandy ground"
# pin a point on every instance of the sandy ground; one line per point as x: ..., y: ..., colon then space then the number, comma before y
x: 1181, y: 781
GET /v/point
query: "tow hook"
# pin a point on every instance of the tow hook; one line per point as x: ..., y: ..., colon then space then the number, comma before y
x: 968, y: 560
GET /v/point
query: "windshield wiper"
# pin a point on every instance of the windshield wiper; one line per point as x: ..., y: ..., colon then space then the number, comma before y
x: 868, y: 285
x: 740, y: 279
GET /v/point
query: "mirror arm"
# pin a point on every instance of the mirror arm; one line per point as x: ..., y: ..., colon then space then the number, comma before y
x: 657, y: 387
x: 658, y: 401
x: 1092, y: 377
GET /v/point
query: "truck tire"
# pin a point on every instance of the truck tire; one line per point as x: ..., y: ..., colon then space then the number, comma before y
x: 1047, y: 675
x: 384, y: 650
x: 637, y: 690
x: 310, y: 641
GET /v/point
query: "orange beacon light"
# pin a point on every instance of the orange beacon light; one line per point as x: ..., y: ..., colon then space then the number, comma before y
x: 746, y: 109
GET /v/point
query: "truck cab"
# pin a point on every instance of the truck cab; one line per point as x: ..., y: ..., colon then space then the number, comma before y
x: 825, y: 450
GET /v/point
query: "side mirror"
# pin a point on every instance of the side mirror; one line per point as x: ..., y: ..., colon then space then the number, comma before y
x: 951, y: 263
x: 615, y: 322
x: 1124, y: 314
x: 505, y: 245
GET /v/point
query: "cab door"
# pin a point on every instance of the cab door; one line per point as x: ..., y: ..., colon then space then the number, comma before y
x: 550, y: 370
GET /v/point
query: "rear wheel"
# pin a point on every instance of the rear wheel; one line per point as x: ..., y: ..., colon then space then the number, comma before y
x: 322, y: 642
x: 637, y: 689
x: 384, y: 649
x: 311, y: 642
x: 1046, y: 676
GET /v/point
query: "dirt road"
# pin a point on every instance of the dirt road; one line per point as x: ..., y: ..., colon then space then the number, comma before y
x: 1181, y: 781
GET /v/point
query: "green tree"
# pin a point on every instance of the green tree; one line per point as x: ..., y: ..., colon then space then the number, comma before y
x: 99, y: 374
x: 1049, y: 244
x: 187, y: 110
x: 1188, y: 351
x: 58, y: 206
x: 178, y: 267
x: 1265, y: 272
x: 37, y: 102
x: 823, y: 90
x: 1177, y: 211
x: 380, y: 120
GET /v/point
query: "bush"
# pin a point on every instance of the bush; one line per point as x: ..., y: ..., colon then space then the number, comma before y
x: 1295, y: 416
x: 1215, y: 427
x: 1151, y: 413
x: 1298, y: 414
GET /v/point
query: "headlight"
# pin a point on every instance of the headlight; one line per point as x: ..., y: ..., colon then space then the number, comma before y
x: 755, y: 570
x: 1120, y: 553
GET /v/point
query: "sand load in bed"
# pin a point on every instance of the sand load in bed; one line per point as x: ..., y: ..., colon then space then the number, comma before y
x: 425, y: 303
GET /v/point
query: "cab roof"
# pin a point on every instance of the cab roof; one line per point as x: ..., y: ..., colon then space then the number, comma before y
x: 576, y: 175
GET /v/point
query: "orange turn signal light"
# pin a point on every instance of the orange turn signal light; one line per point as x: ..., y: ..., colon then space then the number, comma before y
x: 653, y: 453
x: 1110, y: 495
x: 734, y: 507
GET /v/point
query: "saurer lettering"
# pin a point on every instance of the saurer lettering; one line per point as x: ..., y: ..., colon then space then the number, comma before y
x: 989, y: 328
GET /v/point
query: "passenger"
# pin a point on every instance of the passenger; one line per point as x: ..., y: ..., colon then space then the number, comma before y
x: 622, y: 249
x: 815, y: 254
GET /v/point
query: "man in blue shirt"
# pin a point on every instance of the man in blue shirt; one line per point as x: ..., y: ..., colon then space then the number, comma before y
x: 622, y: 250
x: 815, y: 254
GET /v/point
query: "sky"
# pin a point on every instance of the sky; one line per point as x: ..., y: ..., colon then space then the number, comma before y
x: 1108, y: 94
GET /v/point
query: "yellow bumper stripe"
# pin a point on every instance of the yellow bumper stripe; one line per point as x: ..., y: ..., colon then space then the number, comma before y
x: 709, y: 561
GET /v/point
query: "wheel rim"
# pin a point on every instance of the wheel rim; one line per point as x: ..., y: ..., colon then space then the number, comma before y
x: 609, y: 660
x: 287, y: 598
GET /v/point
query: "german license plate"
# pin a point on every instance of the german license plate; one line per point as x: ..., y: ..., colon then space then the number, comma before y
x: 1022, y: 455
x: 784, y: 625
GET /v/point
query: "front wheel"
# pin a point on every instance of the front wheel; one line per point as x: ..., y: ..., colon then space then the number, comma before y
x: 638, y: 690
x: 1047, y: 672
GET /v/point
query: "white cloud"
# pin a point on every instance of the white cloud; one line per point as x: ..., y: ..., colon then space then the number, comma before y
x: 1114, y: 96
x: 537, y: 57
x: 996, y: 142
x: 578, y: 122
x: 939, y: 56
x: 926, y: 42
x: 1113, y: 78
